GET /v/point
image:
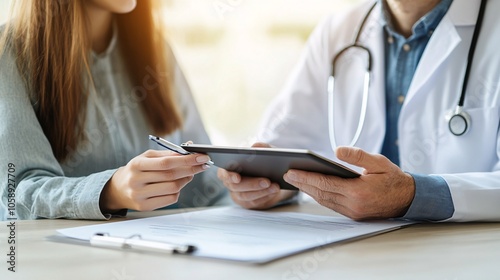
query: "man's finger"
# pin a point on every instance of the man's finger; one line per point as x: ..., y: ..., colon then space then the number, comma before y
x: 371, y: 163
x: 261, y: 145
x: 228, y: 177
x: 256, y: 195
x: 260, y: 203
x: 250, y: 184
x: 316, y: 180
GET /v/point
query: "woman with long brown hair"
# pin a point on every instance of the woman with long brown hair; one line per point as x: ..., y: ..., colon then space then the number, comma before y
x: 82, y: 85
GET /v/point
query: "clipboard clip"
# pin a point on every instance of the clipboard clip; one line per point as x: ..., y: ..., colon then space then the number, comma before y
x: 135, y: 242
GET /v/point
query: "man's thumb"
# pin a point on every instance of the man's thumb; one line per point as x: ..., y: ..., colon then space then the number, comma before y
x: 356, y: 156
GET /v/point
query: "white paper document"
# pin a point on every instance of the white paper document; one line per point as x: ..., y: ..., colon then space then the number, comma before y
x: 237, y: 234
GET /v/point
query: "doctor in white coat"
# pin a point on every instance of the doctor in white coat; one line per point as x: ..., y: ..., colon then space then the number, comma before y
x: 467, y: 165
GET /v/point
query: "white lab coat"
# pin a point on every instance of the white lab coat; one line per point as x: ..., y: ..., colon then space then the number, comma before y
x: 470, y: 163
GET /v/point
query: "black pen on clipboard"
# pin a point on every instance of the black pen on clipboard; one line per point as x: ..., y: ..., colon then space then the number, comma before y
x: 171, y: 146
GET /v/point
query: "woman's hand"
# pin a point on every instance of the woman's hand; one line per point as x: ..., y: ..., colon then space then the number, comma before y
x: 151, y: 180
x: 253, y: 193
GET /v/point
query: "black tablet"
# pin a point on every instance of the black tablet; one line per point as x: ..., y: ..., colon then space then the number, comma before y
x: 270, y: 162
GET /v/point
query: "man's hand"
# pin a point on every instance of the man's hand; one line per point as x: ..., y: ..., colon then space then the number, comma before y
x: 253, y: 193
x: 383, y: 191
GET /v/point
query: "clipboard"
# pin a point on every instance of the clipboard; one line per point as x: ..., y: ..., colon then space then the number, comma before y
x: 227, y: 233
x: 270, y: 162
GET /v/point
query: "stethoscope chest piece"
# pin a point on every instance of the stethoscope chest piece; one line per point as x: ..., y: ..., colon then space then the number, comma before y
x: 458, y: 121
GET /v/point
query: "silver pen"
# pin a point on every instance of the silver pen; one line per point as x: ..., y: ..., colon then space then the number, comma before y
x: 135, y: 242
x: 171, y: 146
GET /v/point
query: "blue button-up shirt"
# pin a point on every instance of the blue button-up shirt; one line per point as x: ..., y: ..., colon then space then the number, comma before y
x: 402, y: 56
x: 432, y: 199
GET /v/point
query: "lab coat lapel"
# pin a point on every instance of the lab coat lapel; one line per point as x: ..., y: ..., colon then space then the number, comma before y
x: 444, y: 40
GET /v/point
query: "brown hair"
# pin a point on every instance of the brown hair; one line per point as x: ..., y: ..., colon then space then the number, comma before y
x: 52, y: 45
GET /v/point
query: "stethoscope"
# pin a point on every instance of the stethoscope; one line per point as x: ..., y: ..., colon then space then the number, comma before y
x: 458, y: 119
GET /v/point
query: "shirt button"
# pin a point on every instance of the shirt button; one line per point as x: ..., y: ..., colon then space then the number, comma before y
x: 390, y: 39
x: 396, y: 142
x: 401, y: 99
x: 406, y: 47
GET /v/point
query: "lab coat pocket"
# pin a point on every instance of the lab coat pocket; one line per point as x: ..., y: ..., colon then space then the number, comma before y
x: 473, y: 151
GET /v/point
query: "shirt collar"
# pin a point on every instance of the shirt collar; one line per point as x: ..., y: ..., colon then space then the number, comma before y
x: 425, y: 24
x: 111, y: 46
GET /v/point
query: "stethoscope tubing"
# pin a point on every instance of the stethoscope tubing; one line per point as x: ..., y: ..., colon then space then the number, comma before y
x: 331, y: 110
x: 459, y: 121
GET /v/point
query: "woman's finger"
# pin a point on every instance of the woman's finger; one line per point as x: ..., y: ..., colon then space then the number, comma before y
x: 143, y: 163
x: 154, y: 203
x: 160, y: 189
x: 152, y: 177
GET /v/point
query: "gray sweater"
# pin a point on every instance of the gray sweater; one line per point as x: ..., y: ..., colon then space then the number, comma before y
x: 117, y: 129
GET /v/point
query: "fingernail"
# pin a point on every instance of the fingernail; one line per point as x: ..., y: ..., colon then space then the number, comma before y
x: 235, y: 179
x: 340, y: 152
x: 291, y: 176
x: 202, y: 159
x: 205, y: 166
x: 264, y: 184
x: 274, y: 190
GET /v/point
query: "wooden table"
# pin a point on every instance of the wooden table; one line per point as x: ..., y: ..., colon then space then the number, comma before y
x: 422, y: 251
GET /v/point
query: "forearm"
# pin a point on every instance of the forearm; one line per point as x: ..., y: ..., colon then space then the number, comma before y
x: 39, y: 195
